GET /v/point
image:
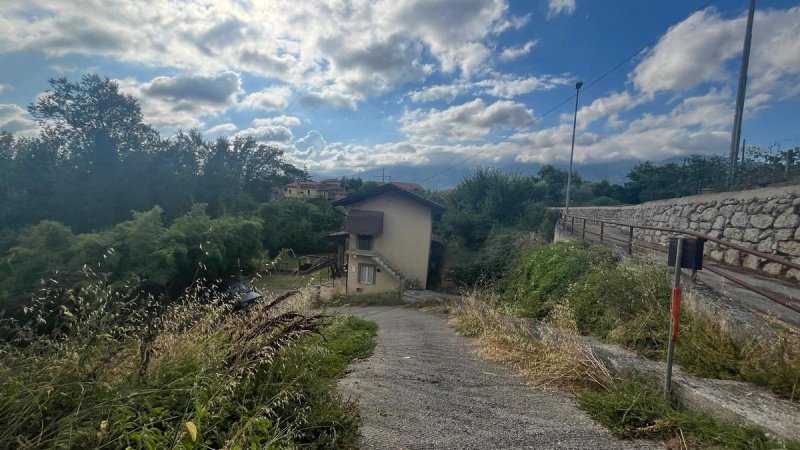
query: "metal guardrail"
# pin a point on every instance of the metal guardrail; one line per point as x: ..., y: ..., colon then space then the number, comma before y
x: 631, y: 243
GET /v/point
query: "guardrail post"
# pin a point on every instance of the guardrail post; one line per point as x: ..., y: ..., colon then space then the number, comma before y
x: 630, y: 240
x: 675, y: 317
x: 601, y: 231
x: 583, y: 231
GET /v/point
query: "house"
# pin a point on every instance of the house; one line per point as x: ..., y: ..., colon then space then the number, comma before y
x: 386, y: 241
x: 330, y: 189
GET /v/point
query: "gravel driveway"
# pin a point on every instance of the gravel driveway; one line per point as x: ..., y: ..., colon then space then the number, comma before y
x: 424, y: 388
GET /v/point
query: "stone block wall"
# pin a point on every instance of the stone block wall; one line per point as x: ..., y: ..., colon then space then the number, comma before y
x: 767, y: 220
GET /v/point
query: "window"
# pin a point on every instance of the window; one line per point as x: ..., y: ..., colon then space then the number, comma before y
x: 366, y: 274
x: 364, y: 242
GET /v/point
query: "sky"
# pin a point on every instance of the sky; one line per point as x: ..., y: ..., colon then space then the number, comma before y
x: 425, y: 90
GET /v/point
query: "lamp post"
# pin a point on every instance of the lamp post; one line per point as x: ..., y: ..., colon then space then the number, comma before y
x: 572, y: 150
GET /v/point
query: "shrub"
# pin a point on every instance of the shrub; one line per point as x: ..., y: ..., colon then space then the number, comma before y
x: 116, y: 368
x: 544, y: 275
x: 625, y: 304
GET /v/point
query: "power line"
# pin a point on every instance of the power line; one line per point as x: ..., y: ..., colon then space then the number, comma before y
x: 559, y: 105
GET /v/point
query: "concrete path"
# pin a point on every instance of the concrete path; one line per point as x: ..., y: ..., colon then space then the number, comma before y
x: 424, y: 388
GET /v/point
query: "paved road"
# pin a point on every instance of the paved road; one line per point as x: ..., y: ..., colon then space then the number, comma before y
x: 424, y: 388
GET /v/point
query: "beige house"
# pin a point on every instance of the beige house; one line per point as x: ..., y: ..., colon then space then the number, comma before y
x: 386, y: 241
x: 330, y: 189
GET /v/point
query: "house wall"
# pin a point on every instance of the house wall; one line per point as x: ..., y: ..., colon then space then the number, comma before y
x: 384, y: 281
x: 405, y: 242
x: 295, y: 192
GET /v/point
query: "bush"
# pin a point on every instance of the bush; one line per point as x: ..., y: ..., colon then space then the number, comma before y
x: 117, y: 369
x: 544, y: 275
x: 624, y: 304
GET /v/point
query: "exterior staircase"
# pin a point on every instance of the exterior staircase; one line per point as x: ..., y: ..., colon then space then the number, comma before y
x: 384, y: 263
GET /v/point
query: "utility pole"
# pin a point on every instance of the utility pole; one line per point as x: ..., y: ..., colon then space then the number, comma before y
x: 572, y: 150
x: 736, y: 132
x: 383, y: 176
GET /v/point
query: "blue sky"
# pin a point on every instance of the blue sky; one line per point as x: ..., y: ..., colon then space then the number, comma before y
x: 350, y: 87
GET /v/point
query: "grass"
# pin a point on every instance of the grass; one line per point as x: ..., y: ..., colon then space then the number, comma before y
x: 274, y: 282
x: 368, y: 299
x: 114, y: 370
x: 555, y: 357
x: 628, y: 303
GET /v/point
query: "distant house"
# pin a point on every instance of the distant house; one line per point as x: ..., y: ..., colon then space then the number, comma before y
x: 330, y: 189
x: 386, y: 241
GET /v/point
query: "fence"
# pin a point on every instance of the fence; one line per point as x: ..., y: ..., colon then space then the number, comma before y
x: 630, y: 242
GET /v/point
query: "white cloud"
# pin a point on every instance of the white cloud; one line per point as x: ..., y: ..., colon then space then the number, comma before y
x: 498, y: 85
x: 328, y: 98
x: 221, y: 129
x: 4, y: 88
x: 268, y: 134
x: 469, y: 121
x: 355, y: 48
x: 14, y: 119
x: 270, y: 99
x: 182, y: 101
x: 447, y: 92
x: 699, y: 49
x: 510, y: 53
x: 286, y: 121
x: 556, y: 7
x: 506, y: 86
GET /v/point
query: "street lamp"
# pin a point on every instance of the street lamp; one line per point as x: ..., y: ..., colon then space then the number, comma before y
x: 572, y: 150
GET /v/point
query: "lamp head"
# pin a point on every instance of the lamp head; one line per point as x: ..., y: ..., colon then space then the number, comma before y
x: 578, y: 85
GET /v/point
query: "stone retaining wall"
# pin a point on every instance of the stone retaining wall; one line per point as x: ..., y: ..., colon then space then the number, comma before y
x: 767, y: 220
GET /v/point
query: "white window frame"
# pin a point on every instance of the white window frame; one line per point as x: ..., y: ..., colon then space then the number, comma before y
x: 364, y: 269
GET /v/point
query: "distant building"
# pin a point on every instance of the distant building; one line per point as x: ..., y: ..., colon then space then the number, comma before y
x: 329, y: 189
x: 386, y: 241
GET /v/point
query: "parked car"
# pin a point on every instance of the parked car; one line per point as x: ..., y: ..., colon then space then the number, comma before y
x: 239, y: 292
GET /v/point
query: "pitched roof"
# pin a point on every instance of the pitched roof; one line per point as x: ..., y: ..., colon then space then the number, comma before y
x: 408, y: 186
x: 389, y: 189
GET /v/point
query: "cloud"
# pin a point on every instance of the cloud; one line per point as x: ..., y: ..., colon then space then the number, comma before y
x: 447, y: 92
x: 498, y: 85
x: 510, y: 53
x: 287, y: 121
x: 268, y: 134
x: 220, y: 89
x: 698, y: 51
x: 222, y: 128
x: 506, y: 86
x: 14, y: 119
x: 467, y: 122
x: 270, y: 99
x: 328, y: 99
x: 312, y: 140
x: 557, y: 7
x: 357, y: 49
x: 4, y: 88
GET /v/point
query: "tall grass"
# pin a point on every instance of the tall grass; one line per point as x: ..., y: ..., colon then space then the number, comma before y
x: 105, y: 367
x: 553, y: 355
x: 628, y: 303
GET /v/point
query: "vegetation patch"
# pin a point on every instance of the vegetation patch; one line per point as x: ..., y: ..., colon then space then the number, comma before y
x: 629, y: 304
x: 555, y: 356
x: 633, y: 409
x: 544, y: 275
x: 368, y: 299
x: 108, y: 368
